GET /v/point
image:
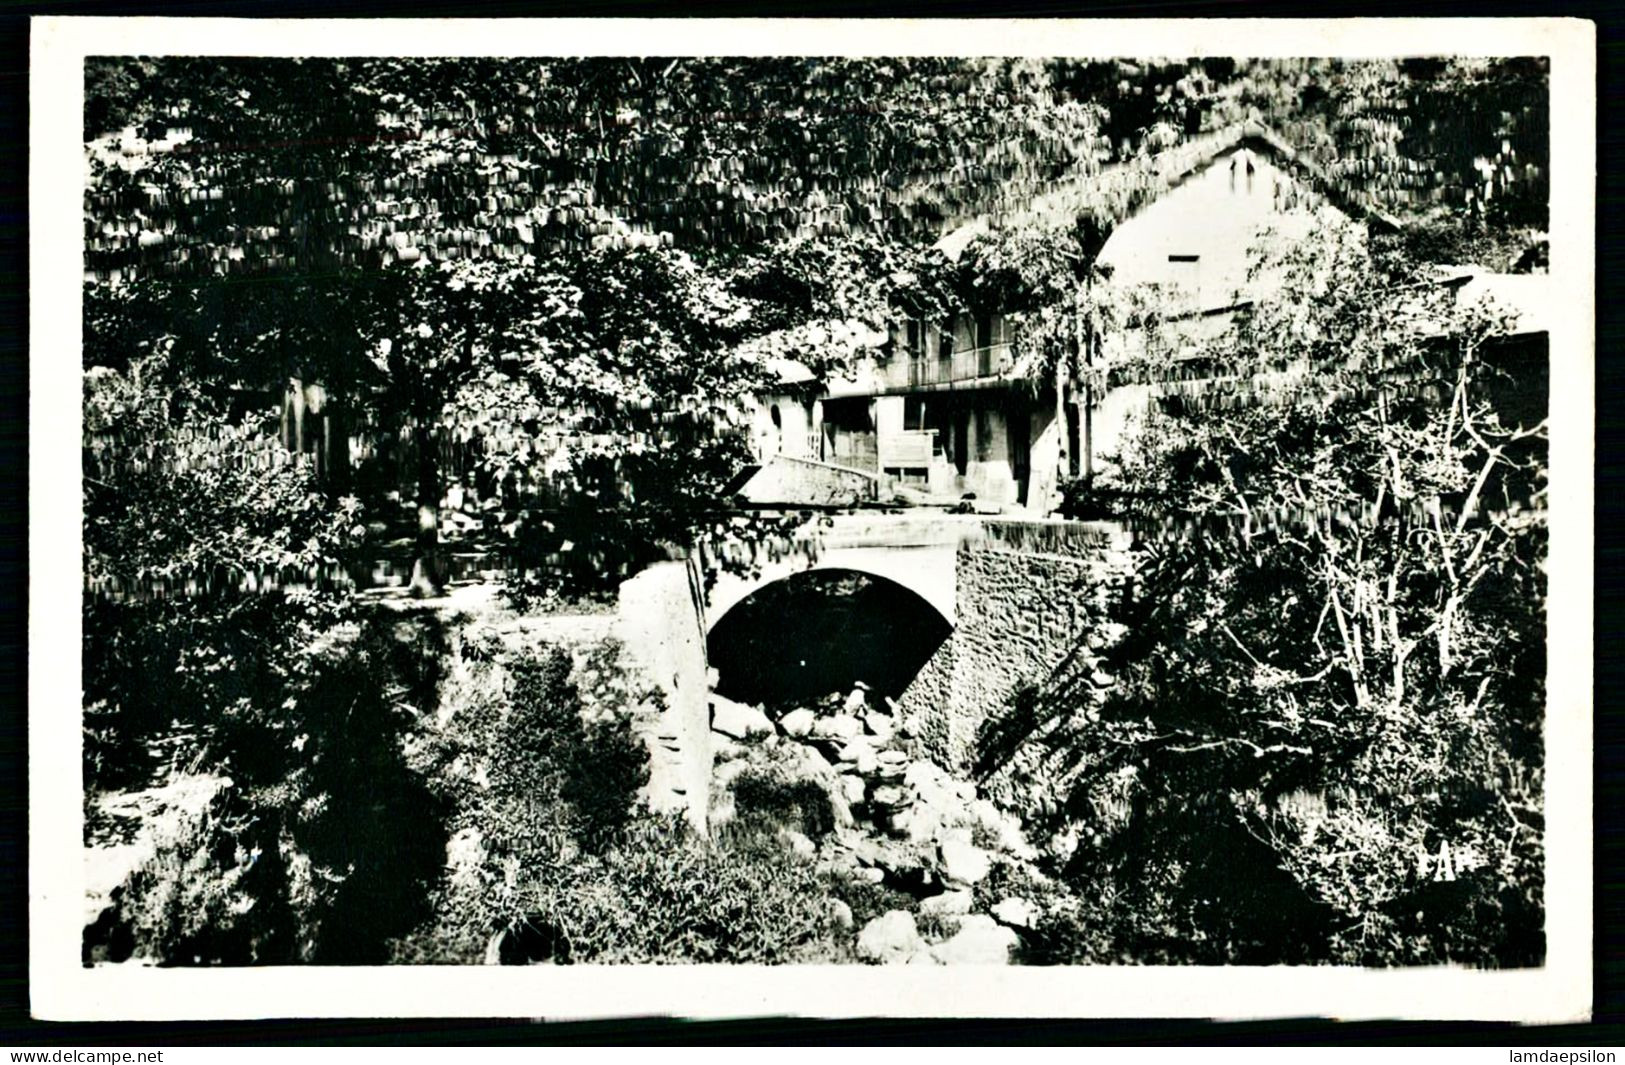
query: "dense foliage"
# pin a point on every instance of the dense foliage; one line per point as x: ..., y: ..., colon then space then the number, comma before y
x: 1324, y: 737
x: 410, y: 234
x: 318, y: 841
x: 212, y: 564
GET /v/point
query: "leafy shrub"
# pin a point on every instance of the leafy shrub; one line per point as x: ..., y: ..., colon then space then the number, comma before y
x: 553, y: 859
x: 663, y: 895
x: 935, y: 926
x: 869, y: 900
x: 211, y: 565
x: 325, y: 846
x: 212, y: 893
x: 1322, y: 742
x: 801, y: 805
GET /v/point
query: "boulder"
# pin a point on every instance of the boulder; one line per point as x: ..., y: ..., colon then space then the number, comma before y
x: 941, y: 799
x: 737, y: 719
x: 1004, y: 827
x: 811, y: 760
x: 949, y: 904
x: 1015, y: 911
x: 893, y: 764
x: 852, y: 788
x: 797, y: 724
x: 980, y: 941
x: 880, y: 726
x: 962, y: 862
x: 857, y: 700
x: 922, y: 773
x: 920, y: 822
x: 890, y: 938
x: 890, y: 796
x: 860, y: 753
x: 841, y: 727
x: 899, y: 860
x: 869, y: 874
x: 801, y: 845
x: 840, y: 914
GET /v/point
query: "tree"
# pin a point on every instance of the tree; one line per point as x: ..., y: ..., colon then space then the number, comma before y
x: 599, y: 398
x: 1456, y: 148
x: 1324, y: 738
x: 329, y: 220
x: 211, y: 559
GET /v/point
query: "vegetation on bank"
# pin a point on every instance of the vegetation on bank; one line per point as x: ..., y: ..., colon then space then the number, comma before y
x: 1324, y: 740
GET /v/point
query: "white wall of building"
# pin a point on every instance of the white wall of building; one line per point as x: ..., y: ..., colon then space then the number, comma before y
x: 1216, y: 215
x: 790, y: 436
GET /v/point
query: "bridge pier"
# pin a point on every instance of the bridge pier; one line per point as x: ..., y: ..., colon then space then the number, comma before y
x: 1029, y: 595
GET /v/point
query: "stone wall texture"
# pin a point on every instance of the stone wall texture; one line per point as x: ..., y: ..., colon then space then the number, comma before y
x: 785, y: 479
x: 660, y: 624
x: 1029, y: 593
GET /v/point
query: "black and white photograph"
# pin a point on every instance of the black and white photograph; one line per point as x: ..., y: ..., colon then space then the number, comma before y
x: 973, y: 515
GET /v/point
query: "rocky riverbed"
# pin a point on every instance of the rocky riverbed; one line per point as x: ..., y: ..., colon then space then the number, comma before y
x: 870, y: 808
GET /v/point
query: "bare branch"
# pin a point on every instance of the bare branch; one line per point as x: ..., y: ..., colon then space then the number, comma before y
x: 1471, y: 504
x: 1224, y: 627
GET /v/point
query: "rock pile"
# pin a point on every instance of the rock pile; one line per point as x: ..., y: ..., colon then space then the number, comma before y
x: 895, y: 818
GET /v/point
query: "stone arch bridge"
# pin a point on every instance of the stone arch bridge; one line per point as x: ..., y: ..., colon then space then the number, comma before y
x: 1018, y: 594
x: 1021, y: 596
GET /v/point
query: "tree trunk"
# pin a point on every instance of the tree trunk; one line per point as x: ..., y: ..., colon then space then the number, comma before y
x: 336, y: 446
x: 429, y: 564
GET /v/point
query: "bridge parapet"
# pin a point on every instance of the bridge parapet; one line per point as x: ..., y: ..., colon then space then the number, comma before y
x: 915, y: 551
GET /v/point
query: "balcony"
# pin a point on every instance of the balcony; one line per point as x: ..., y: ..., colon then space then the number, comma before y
x: 970, y: 364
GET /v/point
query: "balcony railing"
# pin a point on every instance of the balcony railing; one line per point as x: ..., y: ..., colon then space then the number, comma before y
x: 965, y: 365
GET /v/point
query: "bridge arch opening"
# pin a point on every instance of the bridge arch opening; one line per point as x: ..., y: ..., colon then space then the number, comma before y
x: 799, y: 638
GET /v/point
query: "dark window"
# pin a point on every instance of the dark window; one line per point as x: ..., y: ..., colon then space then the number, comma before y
x: 984, y: 434
x: 1073, y: 440
x: 913, y: 412
x: 961, y: 441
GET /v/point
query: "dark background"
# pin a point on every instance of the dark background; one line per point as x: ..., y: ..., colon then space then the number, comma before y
x: 16, y: 1029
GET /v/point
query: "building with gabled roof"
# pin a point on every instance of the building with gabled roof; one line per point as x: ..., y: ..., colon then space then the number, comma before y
x: 945, y: 412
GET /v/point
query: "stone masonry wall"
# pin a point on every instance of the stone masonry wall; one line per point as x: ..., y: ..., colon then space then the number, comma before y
x: 661, y: 627
x: 786, y: 479
x: 1028, y: 594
